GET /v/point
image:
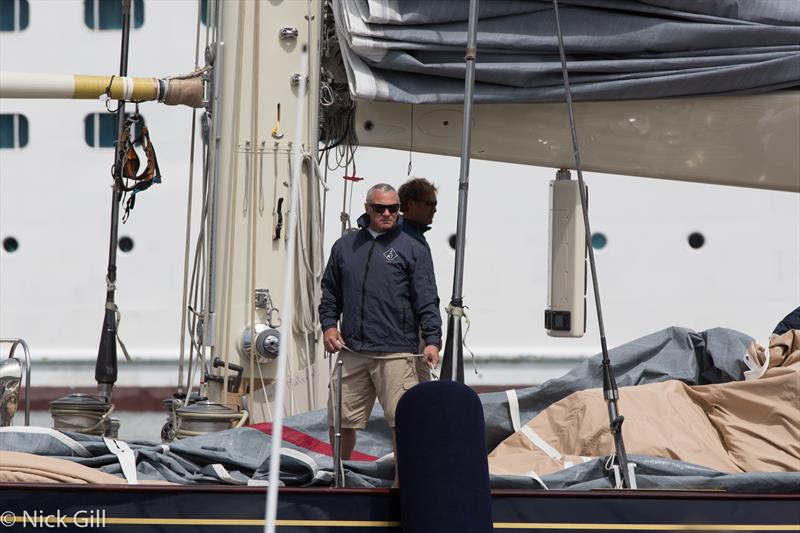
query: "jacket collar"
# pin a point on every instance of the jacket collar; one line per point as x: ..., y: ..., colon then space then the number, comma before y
x: 421, y: 228
x: 363, y: 223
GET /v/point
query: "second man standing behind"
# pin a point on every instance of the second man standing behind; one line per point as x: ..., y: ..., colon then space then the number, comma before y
x: 418, y: 204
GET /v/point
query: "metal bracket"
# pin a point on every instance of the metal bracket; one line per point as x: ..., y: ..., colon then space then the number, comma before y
x: 276, y: 130
x: 295, y: 80
x: 287, y: 33
x: 207, y: 332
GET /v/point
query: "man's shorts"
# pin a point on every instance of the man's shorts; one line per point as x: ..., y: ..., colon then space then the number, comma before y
x: 365, y: 379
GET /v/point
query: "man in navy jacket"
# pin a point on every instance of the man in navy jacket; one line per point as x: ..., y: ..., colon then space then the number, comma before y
x: 418, y: 205
x: 380, y: 282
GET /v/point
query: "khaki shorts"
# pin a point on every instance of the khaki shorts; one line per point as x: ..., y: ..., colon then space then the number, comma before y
x: 365, y: 379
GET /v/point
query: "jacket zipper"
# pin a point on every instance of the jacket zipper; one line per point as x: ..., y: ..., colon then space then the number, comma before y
x: 364, y: 287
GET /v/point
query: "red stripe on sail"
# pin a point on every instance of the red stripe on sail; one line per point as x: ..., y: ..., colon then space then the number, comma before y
x: 304, y: 440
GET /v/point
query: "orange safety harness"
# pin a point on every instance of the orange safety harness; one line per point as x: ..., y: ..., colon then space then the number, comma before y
x: 130, y: 164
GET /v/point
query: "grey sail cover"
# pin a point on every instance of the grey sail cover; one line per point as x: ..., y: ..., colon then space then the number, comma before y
x: 412, y: 51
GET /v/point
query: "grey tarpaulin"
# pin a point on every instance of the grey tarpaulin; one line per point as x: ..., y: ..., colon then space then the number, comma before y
x: 412, y: 51
x: 712, y: 356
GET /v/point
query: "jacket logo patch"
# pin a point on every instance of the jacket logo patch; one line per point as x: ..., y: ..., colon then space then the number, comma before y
x: 390, y: 254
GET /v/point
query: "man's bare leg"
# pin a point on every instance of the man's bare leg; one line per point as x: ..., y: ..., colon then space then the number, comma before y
x: 348, y: 443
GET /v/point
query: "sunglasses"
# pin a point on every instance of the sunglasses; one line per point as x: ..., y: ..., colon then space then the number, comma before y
x: 380, y: 208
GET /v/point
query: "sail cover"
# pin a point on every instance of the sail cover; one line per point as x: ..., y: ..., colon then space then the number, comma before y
x: 412, y: 51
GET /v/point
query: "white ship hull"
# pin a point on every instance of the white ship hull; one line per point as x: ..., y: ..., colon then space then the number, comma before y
x: 54, y: 200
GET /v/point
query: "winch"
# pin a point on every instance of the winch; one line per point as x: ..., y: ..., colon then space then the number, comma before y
x: 10, y: 380
x: 267, y: 337
x: 205, y: 416
x: 86, y: 414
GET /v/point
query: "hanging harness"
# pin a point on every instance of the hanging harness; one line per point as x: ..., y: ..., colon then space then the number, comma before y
x: 130, y: 164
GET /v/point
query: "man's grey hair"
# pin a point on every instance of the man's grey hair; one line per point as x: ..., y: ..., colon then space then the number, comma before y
x: 382, y: 187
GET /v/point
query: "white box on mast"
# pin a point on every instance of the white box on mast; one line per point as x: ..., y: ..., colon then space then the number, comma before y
x: 565, y: 315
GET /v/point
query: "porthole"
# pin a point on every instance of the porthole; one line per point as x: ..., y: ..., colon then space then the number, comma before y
x: 10, y: 244
x: 107, y: 14
x: 204, y: 12
x: 125, y: 244
x: 100, y: 130
x: 13, y: 130
x: 696, y: 240
x: 14, y: 15
x: 599, y: 241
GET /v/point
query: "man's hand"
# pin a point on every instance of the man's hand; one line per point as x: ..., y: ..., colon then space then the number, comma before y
x: 332, y: 340
x: 431, y: 356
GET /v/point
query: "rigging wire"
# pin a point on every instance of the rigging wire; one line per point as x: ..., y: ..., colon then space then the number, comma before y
x: 187, y: 247
x: 324, y: 181
x: 352, y: 188
x: 256, y: 89
x: 411, y: 144
x: 268, y: 415
x: 233, y: 173
x: 197, y: 285
x: 610, y: 391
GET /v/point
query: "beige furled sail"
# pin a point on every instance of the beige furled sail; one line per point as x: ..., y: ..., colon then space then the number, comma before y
x: 739, y: 426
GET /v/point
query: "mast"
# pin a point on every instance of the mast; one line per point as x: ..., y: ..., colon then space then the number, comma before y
x: 105, y: 372
x: 251, y: 166
x: 453, y: 360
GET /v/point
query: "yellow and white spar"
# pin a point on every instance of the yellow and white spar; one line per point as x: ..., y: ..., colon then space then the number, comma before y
x: 181, y: 90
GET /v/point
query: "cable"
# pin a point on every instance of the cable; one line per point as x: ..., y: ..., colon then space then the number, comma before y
x: 609, y: 383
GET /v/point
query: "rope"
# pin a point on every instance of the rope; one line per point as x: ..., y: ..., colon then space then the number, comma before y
x: 111, y: 306
x: 261, y: 177
x: 256, y: 87
x: 411, y: 145
x: 63, y: 425
x: 233, y: 170
x: 246, y: 196
x: 309, y: 256
x: 290, y: 206
x: 275, y: 214
x: 333, y: 367
x: 183, y: 433
x: 453, y: 310
x: 266, y: 400
x: 187, y: 247
x: 201, y: 263
x: 288, y: 183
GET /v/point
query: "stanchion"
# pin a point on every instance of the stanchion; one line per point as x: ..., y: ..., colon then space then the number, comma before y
x: 338, y: 473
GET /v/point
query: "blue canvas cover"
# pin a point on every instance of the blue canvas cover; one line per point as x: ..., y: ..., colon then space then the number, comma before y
x: 412, y: 51
x: 241, y: 456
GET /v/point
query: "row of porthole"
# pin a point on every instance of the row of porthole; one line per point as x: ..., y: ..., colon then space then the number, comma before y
x: 695, y: 239
x: 599, y: 241
x: 97, y: 14
x: 11, y: 244
x: 100, y: 130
